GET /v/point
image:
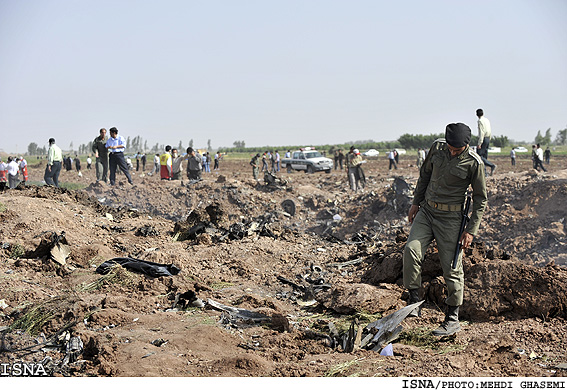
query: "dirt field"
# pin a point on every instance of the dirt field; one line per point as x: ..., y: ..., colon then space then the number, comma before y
x: 292, y: 284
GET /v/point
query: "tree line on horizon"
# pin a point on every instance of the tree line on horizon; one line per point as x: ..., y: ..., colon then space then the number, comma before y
x: 405, y: 141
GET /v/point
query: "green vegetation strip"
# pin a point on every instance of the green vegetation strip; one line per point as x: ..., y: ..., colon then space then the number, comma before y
x: 37, y: 316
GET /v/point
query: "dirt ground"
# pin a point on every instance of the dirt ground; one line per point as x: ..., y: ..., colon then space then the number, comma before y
x: 297, y: 264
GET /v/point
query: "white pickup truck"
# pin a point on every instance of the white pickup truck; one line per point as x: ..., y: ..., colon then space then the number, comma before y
x: 308, y: 160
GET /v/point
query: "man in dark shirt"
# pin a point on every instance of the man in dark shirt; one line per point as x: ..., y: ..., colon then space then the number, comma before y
x: 101, y: 156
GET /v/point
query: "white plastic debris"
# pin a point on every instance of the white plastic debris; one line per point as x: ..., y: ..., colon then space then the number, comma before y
x: 388, y: 350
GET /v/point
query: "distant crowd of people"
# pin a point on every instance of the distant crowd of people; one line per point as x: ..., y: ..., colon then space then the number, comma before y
x: 13, y: 172
x: 109, y: 156
x: 110, y: 160
x: 271, y: 158
x: 274, y: 159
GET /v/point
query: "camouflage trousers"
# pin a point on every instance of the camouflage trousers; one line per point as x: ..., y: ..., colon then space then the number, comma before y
x: 443, y: 226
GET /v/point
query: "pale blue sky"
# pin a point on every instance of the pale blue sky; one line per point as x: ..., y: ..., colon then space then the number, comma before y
x: 278, y: 72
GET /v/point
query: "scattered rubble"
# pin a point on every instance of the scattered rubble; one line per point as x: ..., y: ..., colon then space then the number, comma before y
x: 308, y: 273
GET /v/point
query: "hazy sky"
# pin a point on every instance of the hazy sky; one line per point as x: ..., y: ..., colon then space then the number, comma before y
x: 273, y: 72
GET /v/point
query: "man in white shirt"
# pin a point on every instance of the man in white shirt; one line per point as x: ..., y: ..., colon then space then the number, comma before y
x: 14, y: 169
x: 116, y: 145
x: 539, y: 159
x: 53, y: 168
x: 156, y: 165
x: 392, y: 158
x: 278, y: 161
x: 484, y: 134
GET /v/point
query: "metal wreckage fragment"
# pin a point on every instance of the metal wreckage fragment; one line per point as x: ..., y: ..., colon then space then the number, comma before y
x: 374, y: 336
x: 381, y: 332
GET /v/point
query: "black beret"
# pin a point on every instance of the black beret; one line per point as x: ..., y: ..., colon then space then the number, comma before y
x: 458, y: 134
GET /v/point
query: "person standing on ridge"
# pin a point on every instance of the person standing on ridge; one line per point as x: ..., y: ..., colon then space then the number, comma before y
x: 101, y: 156
x: 116, y: 145
x: 484, y: 134
x: 539, y: 159
x: 255, y: 168
x: 54, y: 161
x: 194, y: 162
x: 176, y: 165
x: 165, y: 163
x: 450, y: 167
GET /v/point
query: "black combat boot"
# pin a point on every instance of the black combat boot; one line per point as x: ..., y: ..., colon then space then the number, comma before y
x: 414, y: 298
x: 451, y: 324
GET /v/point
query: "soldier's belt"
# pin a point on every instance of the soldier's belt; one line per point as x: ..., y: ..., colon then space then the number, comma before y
x: 445, y: 207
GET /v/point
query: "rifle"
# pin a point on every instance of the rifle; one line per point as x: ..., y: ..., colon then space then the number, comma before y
x: 464, y: 222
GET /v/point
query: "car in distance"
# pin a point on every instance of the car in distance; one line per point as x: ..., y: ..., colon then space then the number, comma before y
x: 494, y: 149
x: 371, y: 153
x: 520, y: 149
x: 308, y: 160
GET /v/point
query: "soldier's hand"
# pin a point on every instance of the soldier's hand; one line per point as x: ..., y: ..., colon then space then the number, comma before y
x: 466, y: 240
x: 412, y: 212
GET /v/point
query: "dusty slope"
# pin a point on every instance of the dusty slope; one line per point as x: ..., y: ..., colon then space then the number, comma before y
x: 515, y: 297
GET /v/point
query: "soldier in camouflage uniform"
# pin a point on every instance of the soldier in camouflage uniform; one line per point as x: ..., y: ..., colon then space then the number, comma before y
x: 436, y: 213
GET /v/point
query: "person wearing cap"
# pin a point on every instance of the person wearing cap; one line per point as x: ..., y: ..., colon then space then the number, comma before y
x: 115, y: 146
x: 53, y: 168
x: 450, y: 167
